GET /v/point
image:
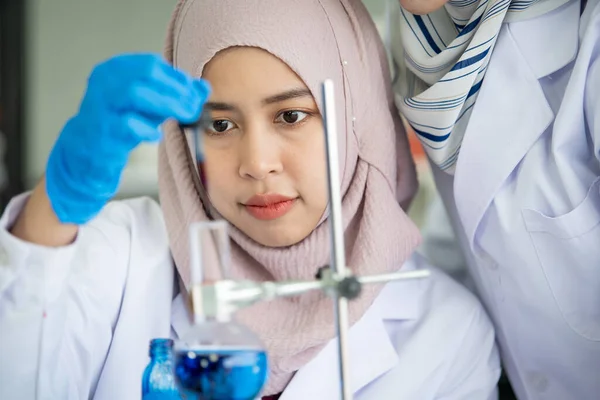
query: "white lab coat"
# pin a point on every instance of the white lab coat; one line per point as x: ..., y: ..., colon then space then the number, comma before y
x: 525, y: 201
x: 75, y: 322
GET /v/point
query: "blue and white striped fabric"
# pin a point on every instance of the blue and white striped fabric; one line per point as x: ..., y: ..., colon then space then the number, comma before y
x: 447, y: 53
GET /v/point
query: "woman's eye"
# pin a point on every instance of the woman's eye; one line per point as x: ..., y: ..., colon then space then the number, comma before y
x: 220, y: 126
x: 291, y: 117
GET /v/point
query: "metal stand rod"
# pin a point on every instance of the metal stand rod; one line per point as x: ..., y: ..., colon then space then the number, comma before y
x: 338, y: 259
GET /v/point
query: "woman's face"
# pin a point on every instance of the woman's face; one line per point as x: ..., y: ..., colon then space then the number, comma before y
x: 265, y: 151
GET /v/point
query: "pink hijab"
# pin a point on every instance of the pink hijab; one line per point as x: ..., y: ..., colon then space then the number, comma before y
x: 318, y: 39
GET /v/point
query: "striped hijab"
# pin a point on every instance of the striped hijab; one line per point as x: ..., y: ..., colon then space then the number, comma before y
x: 445, y: 56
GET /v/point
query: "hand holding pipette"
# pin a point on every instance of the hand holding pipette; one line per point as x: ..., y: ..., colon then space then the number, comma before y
x: 127, y: 99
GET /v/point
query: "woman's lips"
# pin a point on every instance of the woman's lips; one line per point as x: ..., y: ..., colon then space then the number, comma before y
x: 269, y: 206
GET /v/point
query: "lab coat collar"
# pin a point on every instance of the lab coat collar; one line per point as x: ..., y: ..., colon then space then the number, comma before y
x: 402, y: 300
x: 588, y: 12
x: 180, y: 319
x: 372, y: 353
x: 549, y: 42
x: 511, y: 111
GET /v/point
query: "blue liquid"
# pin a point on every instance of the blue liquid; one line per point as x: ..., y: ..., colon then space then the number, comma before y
x: 220, y: 374
x: 162, y: 396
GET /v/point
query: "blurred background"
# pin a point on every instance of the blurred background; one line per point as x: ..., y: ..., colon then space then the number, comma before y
x: 49, y: 47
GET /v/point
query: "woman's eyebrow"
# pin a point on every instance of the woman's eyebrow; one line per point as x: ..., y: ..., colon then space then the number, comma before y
x: 290, y: 94
x: 218, y: 106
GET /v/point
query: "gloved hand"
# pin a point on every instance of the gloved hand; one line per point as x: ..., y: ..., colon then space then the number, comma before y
x: 127, y: 99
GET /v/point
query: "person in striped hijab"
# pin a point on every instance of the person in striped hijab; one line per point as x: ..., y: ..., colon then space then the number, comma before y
x: 504, y: 98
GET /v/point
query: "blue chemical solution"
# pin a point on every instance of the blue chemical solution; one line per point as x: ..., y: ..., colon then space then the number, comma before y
x: 220, y: 374
x: 158, y: 382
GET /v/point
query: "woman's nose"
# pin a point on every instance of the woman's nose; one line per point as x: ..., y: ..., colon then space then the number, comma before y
x: 260, y: 155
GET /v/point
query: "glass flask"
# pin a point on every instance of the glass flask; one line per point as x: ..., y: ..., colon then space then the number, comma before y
x: 217, y: 359
x: 220, y: 361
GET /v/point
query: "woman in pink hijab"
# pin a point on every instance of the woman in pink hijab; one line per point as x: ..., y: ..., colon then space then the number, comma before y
x: 86, y: 285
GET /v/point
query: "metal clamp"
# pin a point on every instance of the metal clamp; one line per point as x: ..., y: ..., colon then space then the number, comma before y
x: 223, y: 298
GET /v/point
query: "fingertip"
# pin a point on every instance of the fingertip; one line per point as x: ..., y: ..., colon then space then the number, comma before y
x: 155, y: 137
x: 193, y: 117
x: 196, y: 105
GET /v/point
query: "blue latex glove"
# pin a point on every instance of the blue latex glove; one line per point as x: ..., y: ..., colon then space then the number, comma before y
x: 127, y: 99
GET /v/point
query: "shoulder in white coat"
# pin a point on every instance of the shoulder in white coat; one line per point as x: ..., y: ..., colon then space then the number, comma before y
x: 66, y: 312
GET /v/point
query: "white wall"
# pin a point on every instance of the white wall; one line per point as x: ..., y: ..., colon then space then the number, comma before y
x: 66, y: 38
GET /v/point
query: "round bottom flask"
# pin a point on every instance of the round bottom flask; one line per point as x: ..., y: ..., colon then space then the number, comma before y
x: 220, y: 361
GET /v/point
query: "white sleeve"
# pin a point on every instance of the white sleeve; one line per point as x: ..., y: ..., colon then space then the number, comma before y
x: 475, y: 368
x: 58, y: 308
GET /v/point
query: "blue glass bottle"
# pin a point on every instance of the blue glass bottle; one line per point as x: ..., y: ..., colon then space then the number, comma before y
x: 158, y: 382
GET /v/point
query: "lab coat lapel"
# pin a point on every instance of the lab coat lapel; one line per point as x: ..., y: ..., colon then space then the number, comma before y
x: 371, y: 355
x: 550, y: 42
x: 511, y: 111
x: 372, y: 352
x: 180, y: 319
